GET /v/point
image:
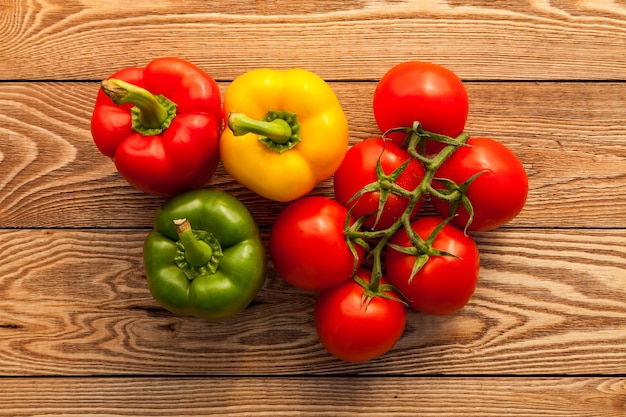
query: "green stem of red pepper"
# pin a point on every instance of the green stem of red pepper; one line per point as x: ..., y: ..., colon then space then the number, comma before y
x: 151, y: 114
x: 413, y: 142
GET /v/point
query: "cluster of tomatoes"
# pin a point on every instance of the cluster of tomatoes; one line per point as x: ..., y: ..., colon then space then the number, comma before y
x: 369, y: 251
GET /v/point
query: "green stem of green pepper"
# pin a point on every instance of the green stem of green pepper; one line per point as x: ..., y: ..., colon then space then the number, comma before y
x: 197, y: 252
x: 151, y: 114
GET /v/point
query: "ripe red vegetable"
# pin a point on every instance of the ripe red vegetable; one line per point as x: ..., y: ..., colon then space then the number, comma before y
x: 498, y: 193
x: 354, y: 327
x: 424, y: 92
x: 445, y: 282
x: 308, y: 247
x: 160, y: 125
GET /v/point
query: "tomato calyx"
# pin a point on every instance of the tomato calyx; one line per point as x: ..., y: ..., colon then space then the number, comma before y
x: 385, y: 185
x: 375, y: 288
x: 422, y: 249
x: 456, y: 195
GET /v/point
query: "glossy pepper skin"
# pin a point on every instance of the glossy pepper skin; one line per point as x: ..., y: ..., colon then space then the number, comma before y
x: 212, y: 270
x: 160, y: 125
x: 286, y: 132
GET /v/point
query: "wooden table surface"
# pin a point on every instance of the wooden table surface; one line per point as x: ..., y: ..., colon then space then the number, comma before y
x: 544, y: 334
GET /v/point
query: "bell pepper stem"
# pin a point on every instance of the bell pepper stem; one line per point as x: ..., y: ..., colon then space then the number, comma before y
x: 153, y: 112
x: 277, y: 130
x: 197, y: 252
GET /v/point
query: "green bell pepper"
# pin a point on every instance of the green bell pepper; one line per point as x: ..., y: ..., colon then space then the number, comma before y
x: 204, y: 256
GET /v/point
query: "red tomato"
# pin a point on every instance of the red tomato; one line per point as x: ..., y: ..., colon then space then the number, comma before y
x: 445, y: 283
x: 421, y: 91
x: 352, y: 329
x: 497, y: 196
x: 358, y: 169
x: 307, y: 244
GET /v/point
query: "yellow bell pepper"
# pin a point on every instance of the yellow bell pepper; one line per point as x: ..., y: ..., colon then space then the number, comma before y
x: 286, y: 132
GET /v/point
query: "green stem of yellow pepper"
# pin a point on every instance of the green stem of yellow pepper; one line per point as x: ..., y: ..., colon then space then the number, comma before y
x: 279, y: 130
x: 197, y: 252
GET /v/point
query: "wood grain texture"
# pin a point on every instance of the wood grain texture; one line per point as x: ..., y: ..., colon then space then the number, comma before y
x: 75, y: 302
x: 544, y: 334
x: 343, y: 397
x: 352, y: 40
x: 53, y: 175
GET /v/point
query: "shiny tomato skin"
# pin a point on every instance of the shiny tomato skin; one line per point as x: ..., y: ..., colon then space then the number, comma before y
x: 497, y: 196
x: 421, y: 91
x: 445, y: 283
x: 358, y: 169
x: 353, y: 332
x: 307, y: 244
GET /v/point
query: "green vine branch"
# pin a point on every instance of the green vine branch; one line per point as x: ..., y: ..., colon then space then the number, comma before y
x: 375, y: 241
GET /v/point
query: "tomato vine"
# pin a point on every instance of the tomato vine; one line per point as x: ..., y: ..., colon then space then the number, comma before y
x: 375, y: 241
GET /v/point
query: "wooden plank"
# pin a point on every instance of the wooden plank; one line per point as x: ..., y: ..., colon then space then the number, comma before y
x: 75, y: 302
x: 340, y: 40
x: 52, y: 175
x: 545, y: 333
x: 337, y: 397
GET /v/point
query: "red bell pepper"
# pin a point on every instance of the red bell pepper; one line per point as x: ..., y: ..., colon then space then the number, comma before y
x: 160, y: 124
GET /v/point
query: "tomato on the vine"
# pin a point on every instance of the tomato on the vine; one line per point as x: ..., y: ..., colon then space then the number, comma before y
x: 360, y: 168
x: 498, y: 193
x: 354, y: 328
x: 307, y: 244
x: 421, y: 91
x: 446, y: 282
